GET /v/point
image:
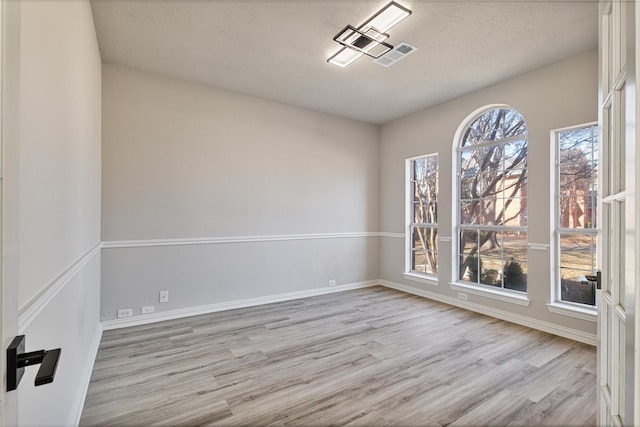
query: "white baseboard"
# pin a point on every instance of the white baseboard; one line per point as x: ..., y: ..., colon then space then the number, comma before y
x: 540, y: 325
x: 529, y: 322
x: 85, y: 375
x: 212, y: 308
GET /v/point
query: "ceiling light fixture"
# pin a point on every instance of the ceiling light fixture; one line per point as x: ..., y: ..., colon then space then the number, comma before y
x: 344, y: 57
x: 369, y: 38
x: 388, y: 17
x: 371, y: 43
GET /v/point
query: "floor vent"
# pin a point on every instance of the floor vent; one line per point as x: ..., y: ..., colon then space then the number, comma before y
x: 396, y: 54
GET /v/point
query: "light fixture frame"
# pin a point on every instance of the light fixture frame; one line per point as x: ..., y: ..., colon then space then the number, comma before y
x: 357, y: 56
x: 364, y: 50
x: 380, y: 12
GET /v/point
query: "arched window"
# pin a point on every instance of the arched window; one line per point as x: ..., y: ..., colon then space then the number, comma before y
x: 492, y: 200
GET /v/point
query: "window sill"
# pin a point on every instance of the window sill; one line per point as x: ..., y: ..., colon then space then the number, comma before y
x: 422, y: 278
x: 584, y: 313
x: 499, y: 294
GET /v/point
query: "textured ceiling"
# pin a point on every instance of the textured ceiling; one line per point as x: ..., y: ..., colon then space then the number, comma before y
x: 278, y: 49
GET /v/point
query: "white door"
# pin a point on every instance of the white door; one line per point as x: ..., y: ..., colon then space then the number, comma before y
x: 616, y: 299
x: 9, y: 110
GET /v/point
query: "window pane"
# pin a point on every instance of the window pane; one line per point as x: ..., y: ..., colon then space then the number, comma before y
x: 425, y: 238
x: 578, y: 211
x: 468, y: 263
x: 513, y: 212
x: 574, y: 287
x: 470, y: 211
x: 515, y: 181
x: 468, y: 164
x: 577, y: 260
x: 469, y: 188
x: 425, y: 245
x: 487, y: 212
x: 515, y: 155
x: 425, y: 213
x: 515, y: 260
x: 491, y: 271
x: 577, y: 177
x: 490, y: 242
x: 515, y: 275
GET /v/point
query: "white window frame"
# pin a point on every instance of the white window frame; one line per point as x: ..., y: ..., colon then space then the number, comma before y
x: 409, y: 273
x: 556, y: 304
x: 502, y: 294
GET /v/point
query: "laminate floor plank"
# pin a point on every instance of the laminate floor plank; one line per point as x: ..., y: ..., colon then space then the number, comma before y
x: 369, y: 357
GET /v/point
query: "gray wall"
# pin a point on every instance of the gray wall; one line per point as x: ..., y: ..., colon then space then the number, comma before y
x: 560, y: 95
x: 183, y: 161
x: 58, y: 186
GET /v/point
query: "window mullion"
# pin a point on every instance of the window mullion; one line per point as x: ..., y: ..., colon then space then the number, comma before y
x: 489, y: 144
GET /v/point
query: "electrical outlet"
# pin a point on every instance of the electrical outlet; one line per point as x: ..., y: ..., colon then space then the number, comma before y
x: 146, y: 310
x: 164, y: 296
x: 332, y: 282
x: 125, y: 312
x: 462, y: 296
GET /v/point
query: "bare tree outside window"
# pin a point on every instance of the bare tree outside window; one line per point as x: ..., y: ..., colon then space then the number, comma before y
x: 492, y: 201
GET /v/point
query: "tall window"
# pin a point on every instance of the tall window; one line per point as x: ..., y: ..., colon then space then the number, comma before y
x: 576, y: 212
x: 422, y: 239
x: 492, y: 201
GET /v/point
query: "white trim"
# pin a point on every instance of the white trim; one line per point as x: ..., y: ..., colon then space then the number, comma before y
x: 539, y: 246
x: 499, y: 294
x: 584, y: 313
x: 522, y: 137
x: 444, y: 239
x: 394, y: 235
x: 230, y: 305
x: 85, y: 374
x: 29, y: 311
x: 422, y: 278
x: 491, y: 227
x: 617, y: 197
x: 529, y: 322
x: 573, y: 127
x: 232, y: 239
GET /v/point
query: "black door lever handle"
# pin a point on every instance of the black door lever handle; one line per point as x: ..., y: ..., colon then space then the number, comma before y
x: 47, y: 371
x: 17, y: 360
x: 597, y: 279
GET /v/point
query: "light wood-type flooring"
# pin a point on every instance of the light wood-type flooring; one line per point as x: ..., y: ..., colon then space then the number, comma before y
x: 366, y: 357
